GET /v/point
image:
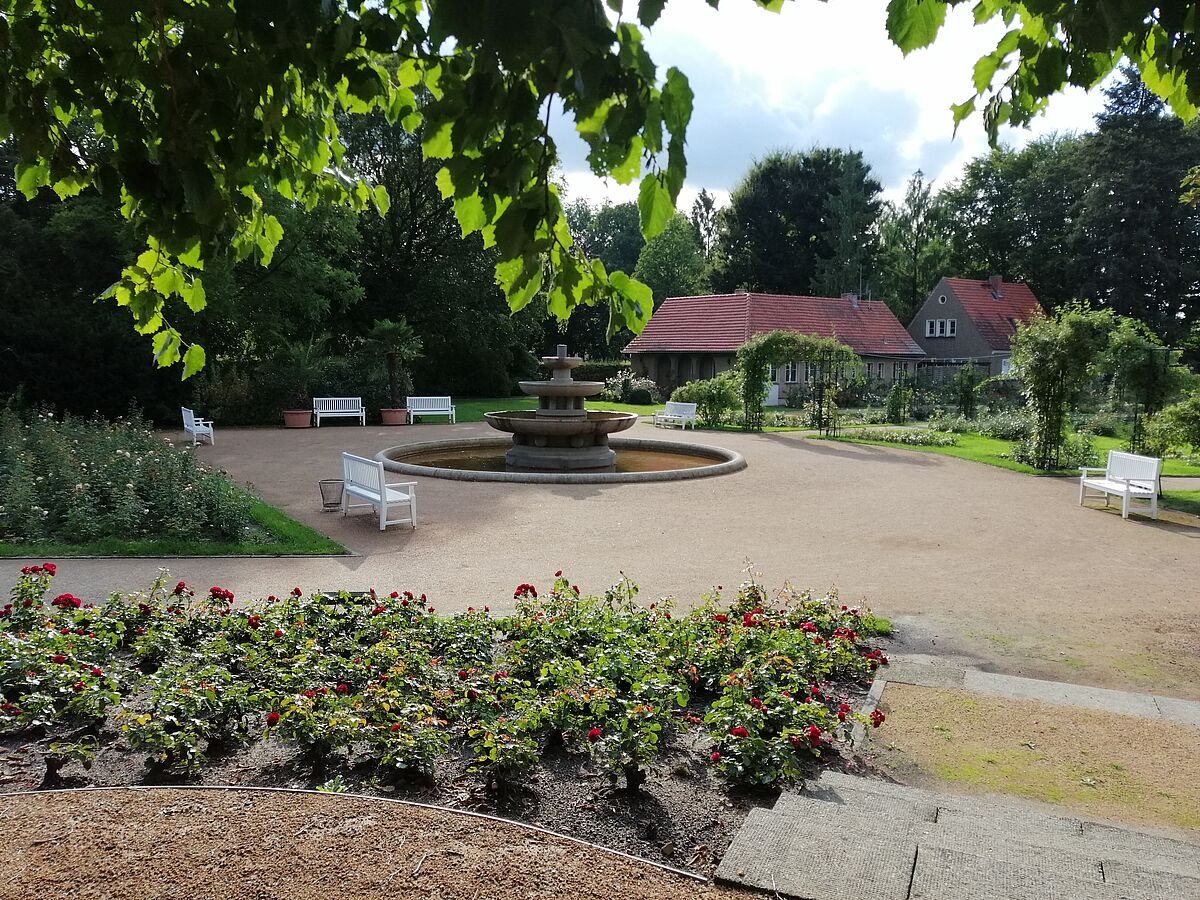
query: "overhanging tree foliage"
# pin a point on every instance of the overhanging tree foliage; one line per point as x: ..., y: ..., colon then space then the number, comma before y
x: 833, y: 360
x: 184, y: 112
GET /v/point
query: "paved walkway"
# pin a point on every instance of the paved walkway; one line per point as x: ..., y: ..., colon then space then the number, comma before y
x: 1004, y: 569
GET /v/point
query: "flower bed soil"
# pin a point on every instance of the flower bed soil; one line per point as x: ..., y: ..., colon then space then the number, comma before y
x: 203, y: 845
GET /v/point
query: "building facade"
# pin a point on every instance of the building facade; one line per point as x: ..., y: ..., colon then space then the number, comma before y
x: 965, y: 320
x: 691, y: 338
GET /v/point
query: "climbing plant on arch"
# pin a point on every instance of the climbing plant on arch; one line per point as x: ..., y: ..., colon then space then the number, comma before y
x: 833, y: 360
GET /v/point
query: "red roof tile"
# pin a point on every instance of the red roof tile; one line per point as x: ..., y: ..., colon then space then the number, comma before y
x: 720, y: 323
x: 996, y: 317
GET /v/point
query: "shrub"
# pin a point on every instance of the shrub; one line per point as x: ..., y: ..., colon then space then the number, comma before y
x: 1011, y: 425
x: 79, y: 480
x: 915, y: 437
x: 1105, y: 423
x: 1176, y: 426
x: 623, y: 386
x: 898, y: 401
x: 716, y: 399
x: 600, y: 369
x: 1077, y: 450
x: 965, y: 385
x: 953, y: 424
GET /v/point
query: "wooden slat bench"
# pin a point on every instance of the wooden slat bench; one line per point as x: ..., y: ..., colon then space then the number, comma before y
x: 430, y: 406
x: 676, y: 413
x: 349, y: 407
x: 197, y: 427
x: 1127, y: 476
x: 366, y: 480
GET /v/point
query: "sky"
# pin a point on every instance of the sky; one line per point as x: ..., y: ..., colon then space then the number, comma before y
x: 819, y: 74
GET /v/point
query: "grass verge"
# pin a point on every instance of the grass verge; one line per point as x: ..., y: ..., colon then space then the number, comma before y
x: 279, y: 535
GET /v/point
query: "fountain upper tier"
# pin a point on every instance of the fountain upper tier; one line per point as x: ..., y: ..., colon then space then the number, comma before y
x: 560, y: 434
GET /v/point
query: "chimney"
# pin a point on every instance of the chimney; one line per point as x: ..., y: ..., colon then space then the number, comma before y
x: 995, y: 282
x: 853, y: 298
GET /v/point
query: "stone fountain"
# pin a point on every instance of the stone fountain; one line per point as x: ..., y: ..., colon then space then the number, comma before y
x: 560, y: 435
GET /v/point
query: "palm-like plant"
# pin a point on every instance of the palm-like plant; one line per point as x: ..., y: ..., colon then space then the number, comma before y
x: 400, y: 346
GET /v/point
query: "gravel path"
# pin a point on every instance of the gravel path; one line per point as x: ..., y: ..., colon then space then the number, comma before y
x: 1003, y: 569
x: 206, y: 845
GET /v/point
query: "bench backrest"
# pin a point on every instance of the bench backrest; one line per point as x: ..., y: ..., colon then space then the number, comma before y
x: 189, y: 418
x: 337, y: 404
x: 428, y: 404
x: 1132, y: 467
x: 363, y: 472
x: 675, y: 408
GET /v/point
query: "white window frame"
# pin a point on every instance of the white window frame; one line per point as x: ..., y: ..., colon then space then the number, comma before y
x: 951, y: 327
x: 941, y: 328
x: 772, y: 374
x: 810, y: 372
x: 930, y: 327
x: 791, y: 373
x: 1006, y: 366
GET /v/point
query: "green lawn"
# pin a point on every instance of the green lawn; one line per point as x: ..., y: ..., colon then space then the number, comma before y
x: 1184, y: 501
x: 472, y: 409
x: 279, y: 535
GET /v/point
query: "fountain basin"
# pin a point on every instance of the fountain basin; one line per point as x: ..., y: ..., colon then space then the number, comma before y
x: 527, y: 421
x: 561, y: 388
x: 483, y: 459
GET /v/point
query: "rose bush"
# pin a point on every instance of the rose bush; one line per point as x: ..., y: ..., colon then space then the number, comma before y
x: 385, y: 682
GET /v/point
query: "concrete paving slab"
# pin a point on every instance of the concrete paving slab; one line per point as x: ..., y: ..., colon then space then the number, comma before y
x: 912, y: 670
x: 1169, y: 883
x: 941, y: 874
x: 1185, y: 712
x: 892, y: 809
x: 1077, y: 695
x: 772, y: 854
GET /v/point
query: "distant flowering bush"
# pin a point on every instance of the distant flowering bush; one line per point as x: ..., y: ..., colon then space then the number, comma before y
x: 625, y: 387
x: 384, y: 683
x: 79, y: 480
x: 915, y: 437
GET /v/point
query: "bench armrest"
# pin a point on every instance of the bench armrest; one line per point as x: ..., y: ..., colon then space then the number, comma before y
x: 1085, y: 470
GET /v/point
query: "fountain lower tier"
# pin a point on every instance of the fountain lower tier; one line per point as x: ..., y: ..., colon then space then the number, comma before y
x: 562, y: 442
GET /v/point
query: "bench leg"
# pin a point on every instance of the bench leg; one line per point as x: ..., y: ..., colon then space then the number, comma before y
x: 1081, y: 489
x: 1125, y: 505
x: 412, y: 507
x: 1154, y: 507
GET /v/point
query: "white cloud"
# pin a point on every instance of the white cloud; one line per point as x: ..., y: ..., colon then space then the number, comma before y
x: 820, y: 73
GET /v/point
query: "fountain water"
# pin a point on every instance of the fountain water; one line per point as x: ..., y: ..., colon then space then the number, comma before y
x: 561, y: 434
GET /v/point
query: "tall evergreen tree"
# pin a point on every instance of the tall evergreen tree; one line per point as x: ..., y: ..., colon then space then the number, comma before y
x: 852, y: 211
x: 915, y: 247
x: 1138, y: 246
x: 704, y: 221
x: 776, y: 229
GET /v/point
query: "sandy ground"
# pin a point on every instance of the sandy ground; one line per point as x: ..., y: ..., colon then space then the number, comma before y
x: 1003, y: 569
x: 114, y: 845
x: 1100, y: 765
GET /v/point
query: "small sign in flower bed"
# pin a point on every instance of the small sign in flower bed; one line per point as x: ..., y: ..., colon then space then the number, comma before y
x: 633, y: 724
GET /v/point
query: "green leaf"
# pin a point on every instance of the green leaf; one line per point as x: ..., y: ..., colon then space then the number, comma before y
x: 913, y: 24
x: 382, y: 201
x: 654, y: 206
x: 168, y: 280
x: 191, y: 256
x: 438, y: 144
x: 193, y: 361
x: 193, y: 295
x: 166, y: 348
x: 676, y: 101
x: 650, y: 10
x: 470, y: 214
x: 30, y: 177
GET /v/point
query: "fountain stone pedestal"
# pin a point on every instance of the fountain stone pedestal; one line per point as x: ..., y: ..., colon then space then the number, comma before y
x: 561, y: 434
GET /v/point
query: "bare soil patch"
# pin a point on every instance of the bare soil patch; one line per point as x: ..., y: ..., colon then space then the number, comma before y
x: 203, y: 845
x: 1101, y: 765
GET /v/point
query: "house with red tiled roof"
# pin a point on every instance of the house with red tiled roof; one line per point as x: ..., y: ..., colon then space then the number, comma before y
x: 697, y: 337
x: 967, y: 320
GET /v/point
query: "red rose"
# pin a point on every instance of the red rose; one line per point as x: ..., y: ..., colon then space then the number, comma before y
x: 877, y: 718
x: 310, y: 694
x: 342, y: 689
x: 180, y: 587
x: 715, y: 756
x: 397, y: 726
x: 721, y: 617
x: 58, y: 658
x: 296, y: 592
x: 377, y: 610
x: 462, y: 674
x: 472, y: 694
x: 272, y: 719
x: 558, y: 574
x: 49, y: 568
x: 78, y: 686
x: 756, y: 703
x: 738, y: 731
x: 278, y: 633
x: 593, y: 735
x: 814, y: 735
x: 498, y: 675
x: 97, y: 671
x: 395, y: 595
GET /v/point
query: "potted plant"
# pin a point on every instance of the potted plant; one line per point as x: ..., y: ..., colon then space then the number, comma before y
x: 298, y: 366
x: 400, y: 346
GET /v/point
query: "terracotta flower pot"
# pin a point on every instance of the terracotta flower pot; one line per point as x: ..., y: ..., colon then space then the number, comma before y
x: 394, y: 416
x: 297, y: 418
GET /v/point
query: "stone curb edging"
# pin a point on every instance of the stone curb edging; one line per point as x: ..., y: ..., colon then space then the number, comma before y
x: 727, y: 461
x: 368, y: 798
x: 858, y: 734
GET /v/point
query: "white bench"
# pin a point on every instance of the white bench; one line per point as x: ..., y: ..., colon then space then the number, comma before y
x: 366, y: 480
x: 431, y: 406
x: 197, y: 428
x: 1127, y: 476
x: 681, y: 414
x: 352, y: 407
